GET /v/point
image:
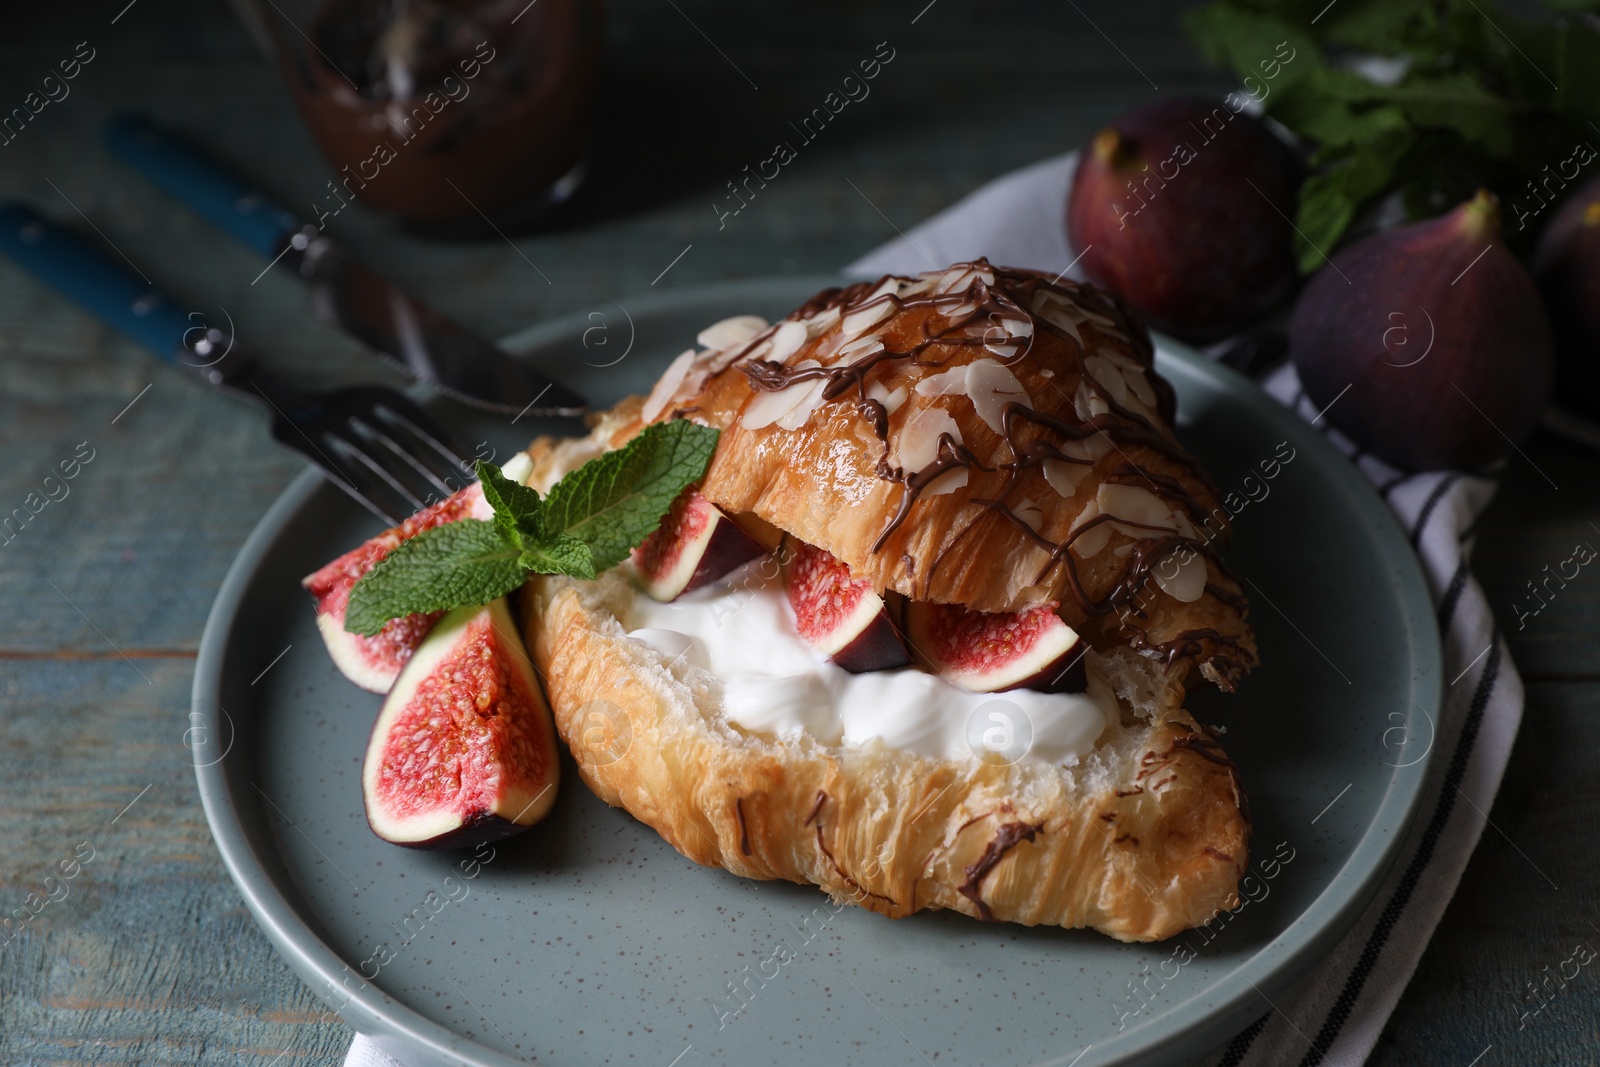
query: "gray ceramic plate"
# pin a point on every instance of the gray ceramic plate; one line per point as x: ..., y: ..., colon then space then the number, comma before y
x: 589, y: 940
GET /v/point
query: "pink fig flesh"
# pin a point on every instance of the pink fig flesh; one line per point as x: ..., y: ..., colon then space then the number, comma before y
x: 987, y: 653
x: 464, y: 749
x: 374, y: 662
x: 1163, y: 213
x: 694, y: 546
x: 1427, y: 344
x: 1567, y: 267
x: 838, y: 615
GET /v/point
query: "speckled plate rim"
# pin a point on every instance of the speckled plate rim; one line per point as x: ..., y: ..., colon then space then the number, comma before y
x: 1197, y: 1022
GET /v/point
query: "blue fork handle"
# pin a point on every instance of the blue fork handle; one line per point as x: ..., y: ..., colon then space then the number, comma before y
x: 204, y: 185
x: 100, y: 283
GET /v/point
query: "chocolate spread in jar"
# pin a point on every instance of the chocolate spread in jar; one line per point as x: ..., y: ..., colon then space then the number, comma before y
x: 445, y: 111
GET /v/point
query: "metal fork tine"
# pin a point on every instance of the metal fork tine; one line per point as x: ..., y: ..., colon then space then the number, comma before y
x: 401, y: 408
x: 361, y: 454
x: 347, y: 476
x: 438, y: 467
x: 380, y: 437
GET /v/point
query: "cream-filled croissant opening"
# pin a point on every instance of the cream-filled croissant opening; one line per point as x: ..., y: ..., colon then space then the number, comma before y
x: 744, y: 631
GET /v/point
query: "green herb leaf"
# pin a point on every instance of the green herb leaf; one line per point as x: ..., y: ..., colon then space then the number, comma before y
x: 613, y: 502
x: 1329, y: 201
x: 590, y: 521
x: 516, y: 507
x: 560, y: 554
x: 465, y: 562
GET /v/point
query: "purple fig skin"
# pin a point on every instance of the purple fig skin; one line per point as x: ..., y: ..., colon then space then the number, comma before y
x: 876, y: 648
x: 1566, y: 266
x: 1068, y: 674
x: 727, y: 548
x: 480, y: 828
x: 1440, y: 336
x: 1189, y: 245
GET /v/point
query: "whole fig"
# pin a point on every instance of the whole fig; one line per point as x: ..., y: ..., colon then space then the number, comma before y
x: 1163, y: 211
x: 1428, y: 343
x: 1567, y: 267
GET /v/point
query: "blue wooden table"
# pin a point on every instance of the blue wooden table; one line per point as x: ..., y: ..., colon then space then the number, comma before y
x: 145, y: 954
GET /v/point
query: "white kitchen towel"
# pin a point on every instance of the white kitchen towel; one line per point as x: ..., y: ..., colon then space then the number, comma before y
x: 1334, y: 1016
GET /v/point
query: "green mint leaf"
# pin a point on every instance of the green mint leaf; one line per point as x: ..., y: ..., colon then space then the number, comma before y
x: 1329, y: 201
x: 1272, y: 50
x: 465, y: 562
x: 560, y: 554
x: 616, y: 500
x: 516, y: 507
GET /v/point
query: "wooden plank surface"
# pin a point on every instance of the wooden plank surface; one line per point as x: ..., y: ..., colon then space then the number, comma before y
x: 151, y: 957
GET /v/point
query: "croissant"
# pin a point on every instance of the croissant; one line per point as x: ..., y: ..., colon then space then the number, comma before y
x: 980, y: 438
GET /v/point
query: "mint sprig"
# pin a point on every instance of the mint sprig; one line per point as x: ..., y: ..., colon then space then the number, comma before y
x: 1481, y: 97
x: 591, y: 519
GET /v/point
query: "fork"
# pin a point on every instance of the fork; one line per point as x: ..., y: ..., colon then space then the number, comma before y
x: 373, y: 442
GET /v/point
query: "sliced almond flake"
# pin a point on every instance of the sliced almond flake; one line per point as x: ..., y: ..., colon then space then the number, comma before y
x: 1003, y: 351
x: 1092, y: 447
x: 1188, y: 584
x: 871, y: 340
x: 917, y: 443
x: 800, y: 414
x: 955, y: 280
x: 821, y: 322
x: 946, y: 383
x: 1108, y: 377
x: 991, y: 387
x: 766, y: 408
x: 948, y: 482
x: 1018, y: 328
x: 1088, y: 402
x: 1047, y: 373
x: 959, y: 312
x: 1135, y: 504
x: 1053, y: 311
x: 1064, y: 476
x: 924, y: 282
x: 1121, y: 551
x: 1031, y: 514
x: 667, y: 386
x: 859, y: 322
x: 786, y: 341
x: 1139, y: 386
x: 1095, y: 539
x: 729, y: 332
x: 1185, y: 527
x: 891, y: 399
x: 890, y: 284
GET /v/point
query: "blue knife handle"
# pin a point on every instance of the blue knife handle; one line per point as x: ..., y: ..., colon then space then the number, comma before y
x: 82, y: 273
x: 202, y: 184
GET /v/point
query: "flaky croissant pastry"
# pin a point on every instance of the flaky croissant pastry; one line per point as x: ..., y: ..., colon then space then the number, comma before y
x: 988, y: 455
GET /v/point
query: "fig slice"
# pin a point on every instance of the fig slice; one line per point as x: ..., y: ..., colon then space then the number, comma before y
x: 464, y: 750
x: 838, y: 615
x: 987, y: 653
x: 374, y: 662
x: 694, y: 546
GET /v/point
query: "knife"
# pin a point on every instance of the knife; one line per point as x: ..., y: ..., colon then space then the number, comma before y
x: 409, y: 335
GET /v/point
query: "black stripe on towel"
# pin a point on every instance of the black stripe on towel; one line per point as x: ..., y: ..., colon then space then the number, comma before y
x: 1340, y: 1013
x: 1452, y: 595
x: 1432, y: 502
x: 1242, y: 1041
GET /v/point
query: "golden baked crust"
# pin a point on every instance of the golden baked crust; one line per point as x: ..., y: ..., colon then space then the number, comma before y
x: 1042, y: 395
x: 1147, y: 836
x: 1144, y: 838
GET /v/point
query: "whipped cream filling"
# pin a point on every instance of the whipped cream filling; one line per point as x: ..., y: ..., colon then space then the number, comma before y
x: 743, y: 631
